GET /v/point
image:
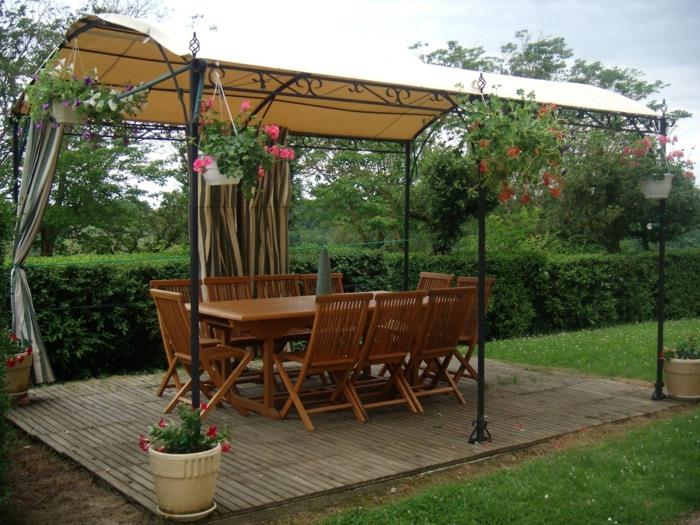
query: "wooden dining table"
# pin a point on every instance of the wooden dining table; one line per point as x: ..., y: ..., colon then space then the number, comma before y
x: 268, y: 320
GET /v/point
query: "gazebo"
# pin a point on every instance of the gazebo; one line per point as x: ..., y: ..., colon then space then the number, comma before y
x: 231, y: 235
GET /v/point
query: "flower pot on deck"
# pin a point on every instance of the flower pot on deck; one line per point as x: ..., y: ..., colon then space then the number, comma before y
x: 17, y: 375
x: 682, y: 378
x: 185, y: 483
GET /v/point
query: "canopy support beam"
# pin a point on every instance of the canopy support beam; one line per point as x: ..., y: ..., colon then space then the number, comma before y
x: 406, y: 206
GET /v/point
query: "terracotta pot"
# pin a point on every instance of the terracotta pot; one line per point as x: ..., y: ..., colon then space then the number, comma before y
x: 682, y: 378
x: 185, y: 482
x: 17, y: 377
x: 215, y: 178
x: 66, y: 115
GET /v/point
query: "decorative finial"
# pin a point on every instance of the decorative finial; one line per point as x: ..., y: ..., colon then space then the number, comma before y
x: 194, y: 45
x: 481, y: 83
x: 663, y: 107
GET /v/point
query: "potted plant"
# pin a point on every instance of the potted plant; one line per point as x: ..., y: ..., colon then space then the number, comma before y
x: 682, y: 369
x: 236, y: 151
x: 655, y: 170
x: 185, y: 461
x: 56, y: 92
x: 515, y: 146
x: 16, y: 355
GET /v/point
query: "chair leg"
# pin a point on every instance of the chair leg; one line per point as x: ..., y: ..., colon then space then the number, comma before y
x: 443, y: 374
x: 293, y: 391
x: 353, y: 398
x: 224, y: 387
x: 165, y: 382
x: 413, y: 404
x: 185, y: 388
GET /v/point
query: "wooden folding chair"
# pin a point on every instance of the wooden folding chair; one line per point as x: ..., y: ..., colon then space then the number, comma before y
x: 214, y: 360
x: 333, y: 348
x: 282, y: 285
x: 310, y: 281
x: 436, y: 341
x: 396, y: 317
x: 229, y: 288
x: 470, y: 334
x: 180, y: 286
x: 431, y: 280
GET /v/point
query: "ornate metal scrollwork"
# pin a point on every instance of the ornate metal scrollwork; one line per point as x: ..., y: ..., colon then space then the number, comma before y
x: 194, y: 45
x: 355, y: 87
x: 398, y: 95
x: 309, y: 84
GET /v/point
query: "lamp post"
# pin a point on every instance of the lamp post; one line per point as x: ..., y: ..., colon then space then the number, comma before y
x: 659, y: 190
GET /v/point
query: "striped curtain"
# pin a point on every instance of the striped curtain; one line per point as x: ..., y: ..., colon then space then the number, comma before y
x: 43, y: 146
x: 246, y: 236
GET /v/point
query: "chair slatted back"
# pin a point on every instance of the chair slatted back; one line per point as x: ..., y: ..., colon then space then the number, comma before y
x: 283, y: 285
x: 310, y: 281
x: 173, y: 314
x: 396, y: 317
x: 431, y: 280
x: 176, y: 285
x: 338, y: 326
x: 229, y: 288
x: 444, y: 319
x: 472, y: 326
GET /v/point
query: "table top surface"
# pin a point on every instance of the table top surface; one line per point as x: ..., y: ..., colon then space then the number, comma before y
x: 261, y: 309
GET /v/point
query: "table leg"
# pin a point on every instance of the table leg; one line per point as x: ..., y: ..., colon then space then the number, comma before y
x: 268, y: 376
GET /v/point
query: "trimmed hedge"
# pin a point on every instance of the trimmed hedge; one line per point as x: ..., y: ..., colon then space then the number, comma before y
x: 97, y: 318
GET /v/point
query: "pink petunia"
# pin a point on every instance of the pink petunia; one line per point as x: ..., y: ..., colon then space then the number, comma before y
x: 663, y: 139
x: 261, y: 171
x: 200, y: 165
x: 29, y: 350
x: 272, y: 131
x: 162, y: 423
x: 203, y: 406
x: 274, y: 150
x: 245, y: 106
x: 212, y: 431
x: 143, y: 443
x: 225, y: 447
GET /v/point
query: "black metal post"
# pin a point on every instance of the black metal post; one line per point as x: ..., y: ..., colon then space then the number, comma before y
x: 660, y: 307
x: 480, y: 433
x: 406, y: 205
x: 15, y: 161
x: 196, y: 76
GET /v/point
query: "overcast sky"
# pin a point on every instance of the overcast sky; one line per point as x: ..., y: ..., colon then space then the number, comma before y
x: 657, y: 37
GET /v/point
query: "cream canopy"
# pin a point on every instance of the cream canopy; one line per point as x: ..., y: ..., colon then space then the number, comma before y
x: 392, y: 103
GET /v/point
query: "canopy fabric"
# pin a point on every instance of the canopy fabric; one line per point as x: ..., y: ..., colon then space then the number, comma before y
x: 395, y: 102
x: 43, y: 146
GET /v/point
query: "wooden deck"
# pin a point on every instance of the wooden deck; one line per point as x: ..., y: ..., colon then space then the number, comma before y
x: 273, y: 463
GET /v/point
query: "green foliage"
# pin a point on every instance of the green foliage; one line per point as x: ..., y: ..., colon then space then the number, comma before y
x: 444, y: 197
x: 617, y: 351
x: 625, y: 479
x: 687, y: 348
x: 5, y: 436
x: 186, y: 437
x: 58, y: 83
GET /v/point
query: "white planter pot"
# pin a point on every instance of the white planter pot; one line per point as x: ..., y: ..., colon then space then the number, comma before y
x: 682, y: 378
x: 66, y: 115
x: 185, y: 483
x: 657, y: 189
x: 214, y: 177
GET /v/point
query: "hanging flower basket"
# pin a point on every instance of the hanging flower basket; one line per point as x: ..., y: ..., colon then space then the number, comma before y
x: 655, y: 188
x: 66, y: 114
x: 214, y: 177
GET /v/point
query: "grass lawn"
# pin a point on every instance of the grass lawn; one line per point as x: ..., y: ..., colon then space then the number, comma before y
x: 619, y: 351
x: 648, y: 476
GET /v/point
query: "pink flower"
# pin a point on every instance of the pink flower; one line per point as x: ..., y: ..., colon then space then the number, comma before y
x: 20, y: 358
x: 11, y: 362
x: 143, y: 443
x: 225, y: 447
x: 29, y: 350
x: 274, y: 150
x: 13, y: 337
x: 663, y: 139
x: 272, y: 131
x: 200, y: 165
x: 287, y: 153
x: 245, y: 106
x: 626, y: 150
x: 689, y: 174
x: 203, y: 406
x: 212, y: 431
x: 261, y: 171
x: 162, y: 423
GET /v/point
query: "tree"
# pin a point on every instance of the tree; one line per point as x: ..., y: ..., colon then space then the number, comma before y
x: 92, y: 193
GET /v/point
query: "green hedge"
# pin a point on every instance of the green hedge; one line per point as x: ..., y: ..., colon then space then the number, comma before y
x: 96, y: 316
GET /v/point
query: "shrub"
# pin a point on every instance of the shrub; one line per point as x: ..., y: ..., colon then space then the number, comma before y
x: 96, y: 316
